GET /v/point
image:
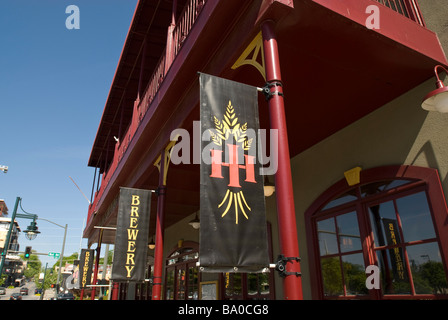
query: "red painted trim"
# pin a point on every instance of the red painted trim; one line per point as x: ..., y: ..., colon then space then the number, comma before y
x: 436, y: 200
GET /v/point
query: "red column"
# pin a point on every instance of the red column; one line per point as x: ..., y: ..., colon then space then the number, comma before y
x: 158, y: 252
x: 97, y: 263
x: 115, y: 289
x: 283, y: 181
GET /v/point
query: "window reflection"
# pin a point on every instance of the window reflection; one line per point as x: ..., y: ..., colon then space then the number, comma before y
x: 394, y: 277
x: 415, y: 217
x: 327, y: 237
x: 332, y: 276
x: 233, y: 285
x: 354, y: 274
x: 427, y: 269
x: 348, y: 231
x: 345, y: 198
x: 380, y: 215
x: 257, y: 283
x: 338, y: 236
x: 377, y: 187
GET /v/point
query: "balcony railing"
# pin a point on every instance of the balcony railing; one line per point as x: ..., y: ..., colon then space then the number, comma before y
x: 407, y: 8
x: 180, y: 32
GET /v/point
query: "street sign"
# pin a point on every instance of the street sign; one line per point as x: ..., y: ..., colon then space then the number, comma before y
x: 55, y: 255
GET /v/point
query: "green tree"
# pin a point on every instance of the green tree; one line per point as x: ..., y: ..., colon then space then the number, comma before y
x: 2, y: 280
x: 332, y: 278
x: 33, y: 267
x: 109, y: 258
x: 50, y: 278
x: 434, y: 274
x: 355, y: 278
x: 70, y: 259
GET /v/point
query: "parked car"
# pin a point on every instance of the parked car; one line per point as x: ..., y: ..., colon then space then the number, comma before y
x: 24, y: 291
x: 15, y: 296
x: 66, y: 296
x: 37, y: 291
x: 2, y: 290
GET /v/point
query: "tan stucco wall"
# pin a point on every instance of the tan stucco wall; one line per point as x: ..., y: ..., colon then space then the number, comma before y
x: 436, y: 19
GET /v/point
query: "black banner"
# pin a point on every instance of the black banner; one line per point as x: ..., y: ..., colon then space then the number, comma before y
x: 85, y: 267
x: 131, y: 239
x: 396, y: 254
x: 233, y: 235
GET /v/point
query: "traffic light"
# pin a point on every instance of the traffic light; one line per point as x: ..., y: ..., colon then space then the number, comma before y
x: 27, y: 252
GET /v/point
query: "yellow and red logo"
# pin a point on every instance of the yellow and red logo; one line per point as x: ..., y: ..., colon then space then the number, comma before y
x: 231, y: 135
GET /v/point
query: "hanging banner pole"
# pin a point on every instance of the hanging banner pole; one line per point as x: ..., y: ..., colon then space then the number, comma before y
x: 283, y: 182
x: 97, y: 263
x: 158, y: 252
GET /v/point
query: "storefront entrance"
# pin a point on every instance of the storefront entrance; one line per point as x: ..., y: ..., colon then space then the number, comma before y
x: 183, y: 278
x: 182, y: 274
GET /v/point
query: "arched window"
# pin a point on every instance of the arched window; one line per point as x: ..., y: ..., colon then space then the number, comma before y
x: 395, y: 218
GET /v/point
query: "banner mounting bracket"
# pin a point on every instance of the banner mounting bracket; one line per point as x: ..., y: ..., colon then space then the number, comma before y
x: 280, y: 266
x: 266, y: 90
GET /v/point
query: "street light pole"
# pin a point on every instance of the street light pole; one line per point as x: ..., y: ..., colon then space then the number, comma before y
x: 62, y: 251
x: 43, y: 283
x: 62, y: 255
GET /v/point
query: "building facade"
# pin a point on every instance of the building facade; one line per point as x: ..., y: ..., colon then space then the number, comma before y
x: 13, y: 268
x: 351, y: 76
x: 3, y: 208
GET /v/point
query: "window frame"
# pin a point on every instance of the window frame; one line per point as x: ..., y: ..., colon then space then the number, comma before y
x: 184, y: 265
x: 420, y: 178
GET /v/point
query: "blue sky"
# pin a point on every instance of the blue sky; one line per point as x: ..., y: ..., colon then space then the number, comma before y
x: 54, y: 83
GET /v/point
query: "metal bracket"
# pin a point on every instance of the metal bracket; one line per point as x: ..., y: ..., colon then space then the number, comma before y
x: 160, y: 191
x: 280, y: 266
x: 267, y: 90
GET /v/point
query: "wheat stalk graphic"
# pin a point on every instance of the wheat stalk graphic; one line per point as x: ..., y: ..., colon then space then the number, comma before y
x: 229, y: 127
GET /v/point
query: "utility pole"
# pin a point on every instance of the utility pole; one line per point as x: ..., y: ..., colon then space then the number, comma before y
x: 43, y: 283
x: 62, y: 251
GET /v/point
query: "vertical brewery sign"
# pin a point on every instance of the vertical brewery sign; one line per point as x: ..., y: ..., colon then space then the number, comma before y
x: 397, y: 260
x: 85, y: 267
x: 131, y: 239
x: 233, y: 235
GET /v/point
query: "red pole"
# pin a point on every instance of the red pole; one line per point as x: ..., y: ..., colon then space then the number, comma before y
x: 283, y: 181
x: 97, y: 263
x: 158, y: 252
x: 115, y: 288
